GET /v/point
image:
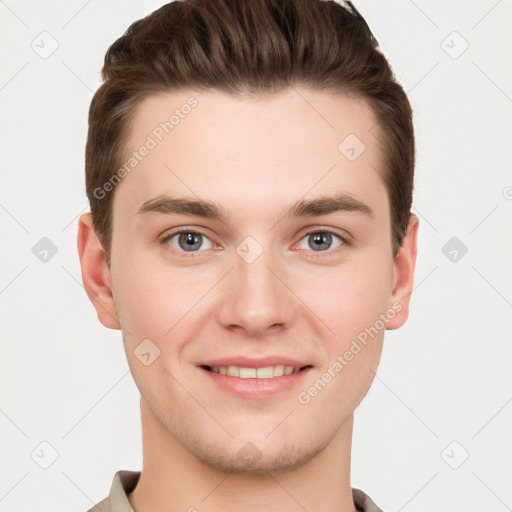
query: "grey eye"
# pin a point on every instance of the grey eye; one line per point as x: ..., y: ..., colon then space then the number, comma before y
x: 321, y: 241
x: 189, y: 241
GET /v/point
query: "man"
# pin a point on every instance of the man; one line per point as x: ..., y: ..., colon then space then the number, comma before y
x: 249, y: 166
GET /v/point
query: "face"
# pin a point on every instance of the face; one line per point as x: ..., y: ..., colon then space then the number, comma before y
x: 285, y: 262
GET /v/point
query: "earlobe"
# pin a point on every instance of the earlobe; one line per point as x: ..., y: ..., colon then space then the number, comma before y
x: 95, y: 273
x: 404, y: 264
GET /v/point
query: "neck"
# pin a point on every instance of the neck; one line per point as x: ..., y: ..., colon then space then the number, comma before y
x: 173, y: 479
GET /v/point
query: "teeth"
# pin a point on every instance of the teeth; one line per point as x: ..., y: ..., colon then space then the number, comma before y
x: 268, y: 372
x: 279, y: 370
x: 233, y: 371
x: 264, y: 373
x: 247, y: 373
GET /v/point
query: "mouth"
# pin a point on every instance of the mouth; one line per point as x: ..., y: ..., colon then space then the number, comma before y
x: 266, y: 372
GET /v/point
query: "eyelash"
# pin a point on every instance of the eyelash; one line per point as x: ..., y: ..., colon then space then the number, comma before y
x: 192, y: 254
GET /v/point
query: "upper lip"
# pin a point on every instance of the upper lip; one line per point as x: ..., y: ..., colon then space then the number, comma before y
x: 248, y: 362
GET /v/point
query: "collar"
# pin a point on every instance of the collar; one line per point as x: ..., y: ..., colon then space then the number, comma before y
x: 125, y: 482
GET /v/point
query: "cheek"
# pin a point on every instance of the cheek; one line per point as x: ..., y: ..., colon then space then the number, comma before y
x: 152, y: 298
x: 351, y: 303
x: 350, y: 297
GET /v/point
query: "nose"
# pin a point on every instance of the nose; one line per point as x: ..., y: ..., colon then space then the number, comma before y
x: 255, y: 296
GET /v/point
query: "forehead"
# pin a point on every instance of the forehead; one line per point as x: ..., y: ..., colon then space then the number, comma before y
x: 251, y: 154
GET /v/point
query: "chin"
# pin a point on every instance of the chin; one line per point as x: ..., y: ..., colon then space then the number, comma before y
x: 256, y: 458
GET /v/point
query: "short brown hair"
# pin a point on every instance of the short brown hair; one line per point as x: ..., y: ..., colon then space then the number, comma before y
x: 253, y: 47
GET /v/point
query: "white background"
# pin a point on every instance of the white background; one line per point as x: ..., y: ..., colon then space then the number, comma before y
x: 444, y: 377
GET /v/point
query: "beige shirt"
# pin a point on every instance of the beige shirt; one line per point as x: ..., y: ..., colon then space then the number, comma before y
x: 125, y: 481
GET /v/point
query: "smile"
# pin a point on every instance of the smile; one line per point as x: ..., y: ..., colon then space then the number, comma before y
x: 267, y: 372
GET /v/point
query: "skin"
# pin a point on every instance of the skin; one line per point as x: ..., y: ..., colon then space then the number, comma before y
x: 254, y: 158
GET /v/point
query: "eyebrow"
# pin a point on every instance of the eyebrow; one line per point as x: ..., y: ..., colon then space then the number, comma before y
x: 324, y: 205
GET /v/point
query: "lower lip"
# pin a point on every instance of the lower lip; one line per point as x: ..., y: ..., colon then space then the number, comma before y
x: 257, y: 388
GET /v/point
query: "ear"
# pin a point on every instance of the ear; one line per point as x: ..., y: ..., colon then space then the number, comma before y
x: 95, y: 272
x: 403, y: 268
